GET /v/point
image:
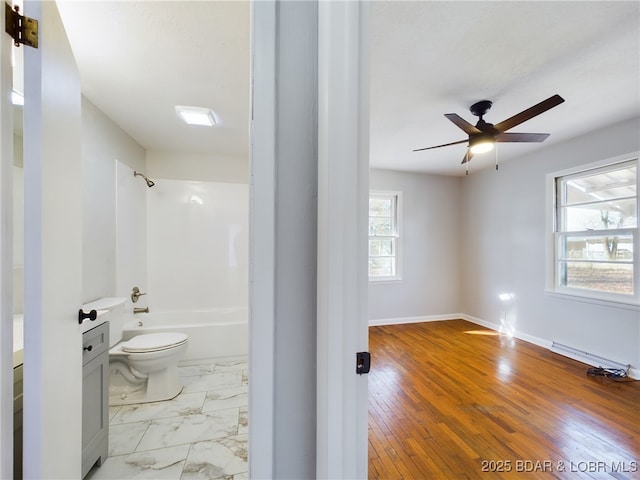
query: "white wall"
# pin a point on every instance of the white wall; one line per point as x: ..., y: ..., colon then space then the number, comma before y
x: 131, y: 232
x: 197, y: 245
x: 503, y: 250
x: 197, y: 232
x: 181, y: 166
x: 182, y: 257
x: 103, y: 143
x: 430, y: 245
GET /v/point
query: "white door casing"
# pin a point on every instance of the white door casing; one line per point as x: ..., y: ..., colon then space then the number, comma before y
x: 262, y: 259
x: 6, y: 259
x: 339, y: 50
x: 282, y: 397
x: 53, y: 250
x: 343, y: 192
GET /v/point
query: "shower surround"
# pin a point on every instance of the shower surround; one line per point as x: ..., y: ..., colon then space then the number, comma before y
x: 185, y: 244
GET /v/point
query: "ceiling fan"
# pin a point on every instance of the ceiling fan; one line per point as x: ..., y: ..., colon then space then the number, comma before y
x: 483, y: 135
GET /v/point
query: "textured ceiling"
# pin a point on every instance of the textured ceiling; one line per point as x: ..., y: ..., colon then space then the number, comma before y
x: 432, y: 58
x: 140, y: 58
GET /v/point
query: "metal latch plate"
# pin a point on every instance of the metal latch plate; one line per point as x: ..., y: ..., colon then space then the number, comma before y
x: 363, y: 362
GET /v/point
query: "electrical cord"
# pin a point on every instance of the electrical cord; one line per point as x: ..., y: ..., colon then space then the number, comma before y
x: 616, y: 374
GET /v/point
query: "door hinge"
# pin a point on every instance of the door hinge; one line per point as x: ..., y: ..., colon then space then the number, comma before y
x: 363, y: 362
x: 23, y: 30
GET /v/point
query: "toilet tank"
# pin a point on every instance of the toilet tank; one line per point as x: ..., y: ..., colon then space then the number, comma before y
x: 112, y: 310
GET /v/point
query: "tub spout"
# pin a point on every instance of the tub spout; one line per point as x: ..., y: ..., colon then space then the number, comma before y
x: 141, y: 310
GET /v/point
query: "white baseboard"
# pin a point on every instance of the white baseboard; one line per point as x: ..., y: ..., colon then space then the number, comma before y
x: 541, y: 342
x: 401, y: 320
x: 479, y: 321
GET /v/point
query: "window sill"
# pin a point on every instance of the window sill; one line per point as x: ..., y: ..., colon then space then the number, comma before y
x: 627, y: 305
x: 384, y: 280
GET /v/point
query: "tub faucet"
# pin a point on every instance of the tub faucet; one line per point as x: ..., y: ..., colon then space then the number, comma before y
x: 140, y: 310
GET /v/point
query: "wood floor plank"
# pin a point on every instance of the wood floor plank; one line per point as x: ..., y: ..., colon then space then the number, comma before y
x: 451, y: 399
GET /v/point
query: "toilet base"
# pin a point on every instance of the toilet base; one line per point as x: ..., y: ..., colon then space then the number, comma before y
x: 140, y: 396
x: 158, y: 386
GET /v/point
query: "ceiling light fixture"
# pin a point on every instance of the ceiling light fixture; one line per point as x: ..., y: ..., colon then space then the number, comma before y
x: 196, y: 115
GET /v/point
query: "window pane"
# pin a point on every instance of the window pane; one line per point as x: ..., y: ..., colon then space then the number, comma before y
x: 383, y: 235
x: 600, y: 216
x: 380, y: 207
x: 613, y: 247
x: 382, y: 267
x: 381, y: 247
x: 601, y: 204
x: 605, y: 277
x: 380, y: 226
x: 606, y: 185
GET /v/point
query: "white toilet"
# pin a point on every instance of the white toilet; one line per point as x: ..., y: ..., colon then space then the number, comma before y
x: 144, y: 368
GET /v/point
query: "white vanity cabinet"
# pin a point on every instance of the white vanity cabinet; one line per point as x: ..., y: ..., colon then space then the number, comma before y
x: 95, y: 396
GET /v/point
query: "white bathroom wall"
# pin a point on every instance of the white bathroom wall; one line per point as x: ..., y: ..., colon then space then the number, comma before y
x: 104, y: 143
x: 197, y: 245
x: 430, y: 242
x: 130, y: 233
x: 204, y: 168
x: 504, y: 218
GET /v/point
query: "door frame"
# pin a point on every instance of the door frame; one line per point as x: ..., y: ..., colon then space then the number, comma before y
x: 343, y: 196
x: 6, y: 257
x: 340, y: 435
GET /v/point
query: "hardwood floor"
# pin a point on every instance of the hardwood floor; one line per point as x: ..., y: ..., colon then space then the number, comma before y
x: 453, y: 400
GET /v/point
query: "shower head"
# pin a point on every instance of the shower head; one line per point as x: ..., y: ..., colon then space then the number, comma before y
x: 150, y: 183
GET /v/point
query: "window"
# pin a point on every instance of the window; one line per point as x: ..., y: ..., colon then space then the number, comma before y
x: 596, y: 232
x: 384, y: 232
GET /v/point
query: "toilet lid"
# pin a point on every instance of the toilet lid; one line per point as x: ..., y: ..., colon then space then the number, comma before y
x: 154, y: 341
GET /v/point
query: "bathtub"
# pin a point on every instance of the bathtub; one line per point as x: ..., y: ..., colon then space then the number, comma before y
x: 215, y: 333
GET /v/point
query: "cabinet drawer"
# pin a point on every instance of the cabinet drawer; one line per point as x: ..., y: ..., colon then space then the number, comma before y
x: 94, y: 342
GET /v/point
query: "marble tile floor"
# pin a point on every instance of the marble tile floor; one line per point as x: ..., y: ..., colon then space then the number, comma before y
x: 200, y: 434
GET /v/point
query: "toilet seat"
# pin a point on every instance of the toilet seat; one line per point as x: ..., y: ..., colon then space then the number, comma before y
x: 152, y: 342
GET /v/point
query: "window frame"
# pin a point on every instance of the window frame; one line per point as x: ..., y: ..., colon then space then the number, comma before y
x: 553, y: 282
x: 396, y: 236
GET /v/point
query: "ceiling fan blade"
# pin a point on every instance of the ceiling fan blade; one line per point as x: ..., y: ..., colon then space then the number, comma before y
x: 467, y: 156
x: 438, y: 146
x: 462, y: 123
x: 521, y: 137
x: 529, y: 113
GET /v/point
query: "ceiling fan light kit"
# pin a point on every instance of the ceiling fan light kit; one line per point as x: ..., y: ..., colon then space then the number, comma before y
x: 483, y: 136
x: 481, y: 144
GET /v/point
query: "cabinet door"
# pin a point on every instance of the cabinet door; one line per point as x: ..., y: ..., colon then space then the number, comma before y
x: 95, y: 416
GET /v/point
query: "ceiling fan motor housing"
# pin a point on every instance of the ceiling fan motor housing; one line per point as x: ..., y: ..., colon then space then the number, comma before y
x: 481, y: 107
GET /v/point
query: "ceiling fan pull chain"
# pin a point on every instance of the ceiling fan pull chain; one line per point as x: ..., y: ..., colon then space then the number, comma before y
x: 496, y: 149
